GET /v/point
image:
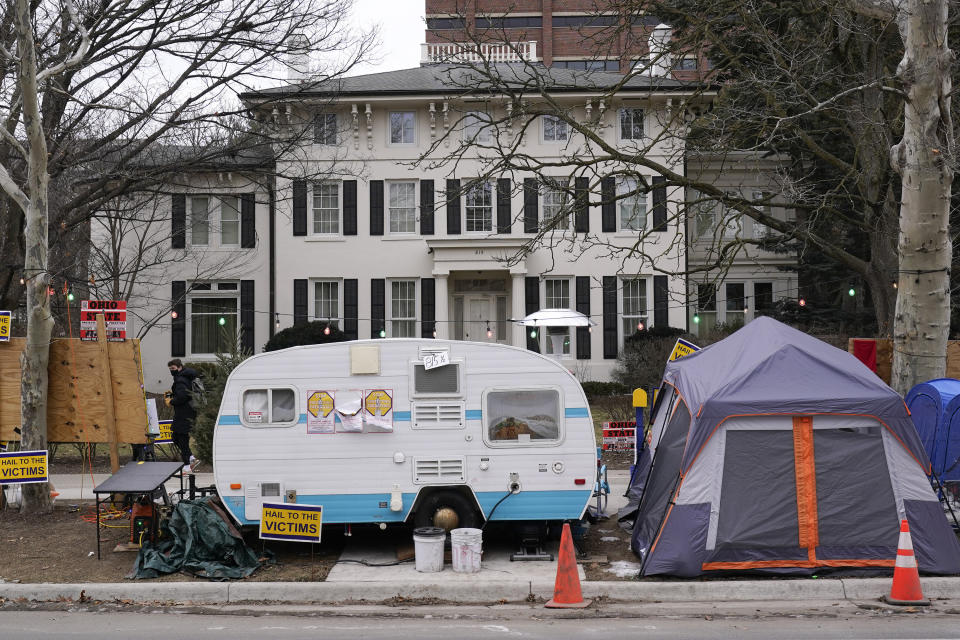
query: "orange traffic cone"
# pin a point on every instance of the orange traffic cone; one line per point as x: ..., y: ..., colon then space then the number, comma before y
x: 566, y: 590
x: 906, y: 578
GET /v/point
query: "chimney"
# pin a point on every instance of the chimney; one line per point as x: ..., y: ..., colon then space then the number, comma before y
x: 298, y: 58
x: 659, y: 51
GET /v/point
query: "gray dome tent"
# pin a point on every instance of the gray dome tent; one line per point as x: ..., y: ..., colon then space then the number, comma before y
x: 775, y: 452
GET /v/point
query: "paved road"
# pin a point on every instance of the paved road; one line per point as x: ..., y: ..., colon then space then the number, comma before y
x: 104, y: 626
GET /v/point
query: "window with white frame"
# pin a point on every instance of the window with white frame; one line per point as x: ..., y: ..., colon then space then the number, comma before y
x: 763, y: 298
x: 631, y: 123
x: 634, y: 306
x: 705, y: 315
x: 402, y: 207
x: 557, y: 296
x: 736, y: 303
x: 213, y: 317
x: 632, y: 205
x: 761, y: 201
x: 556, y: 213
x: 555, y: 129
x: 229, y: 221
x: 326, y: 208
x: 732, y: 218
x: 477, y: 127
x: 685, y: 64
x: 403, y: 127
x: 326, y: 301
x: 403, y: 308
x: 478, y: 206
x: 704, y: 213
x: 325, y: 128
x: 199, y: 221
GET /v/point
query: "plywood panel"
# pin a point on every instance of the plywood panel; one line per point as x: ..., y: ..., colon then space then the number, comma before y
x: 885, y: 358
x: 76, y: 396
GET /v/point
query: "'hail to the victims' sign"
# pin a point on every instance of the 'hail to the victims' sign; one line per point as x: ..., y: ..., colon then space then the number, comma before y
x: 297, y: 522
x: 21, y: 467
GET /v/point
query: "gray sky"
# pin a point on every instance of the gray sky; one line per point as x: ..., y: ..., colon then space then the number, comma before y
x: 401, y: 32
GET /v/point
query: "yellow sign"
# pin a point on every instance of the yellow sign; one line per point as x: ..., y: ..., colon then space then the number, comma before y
x: 682, y: 348
x: 21, y: 467
x: 166, y: 432
x: 320, y: 404
x: 297, y: 522
x: 4, y: 326
x: 378, y: 402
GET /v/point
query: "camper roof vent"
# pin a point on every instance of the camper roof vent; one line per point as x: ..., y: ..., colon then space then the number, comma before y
x: 438, y: 470
x: 443, y: 380
x: 431, y: 415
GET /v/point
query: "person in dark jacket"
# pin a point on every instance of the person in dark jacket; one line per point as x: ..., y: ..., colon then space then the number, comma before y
x: 183, y: 414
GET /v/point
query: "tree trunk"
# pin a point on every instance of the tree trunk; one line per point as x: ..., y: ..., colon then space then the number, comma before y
x: 922, y: 159
x: 36, y: 353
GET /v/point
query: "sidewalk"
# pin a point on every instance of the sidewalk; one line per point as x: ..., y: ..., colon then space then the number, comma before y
x: 77, y: 486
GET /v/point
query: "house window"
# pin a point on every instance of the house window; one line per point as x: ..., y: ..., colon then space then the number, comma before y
x: 403, y: 308
x: 325, y: 128
x: 326, y: 207
x: 554, y: 129
x: 213, y: 324
x: 199, y: 221
x: 587, y: 65
x: 229, y: 221
x: 557, y: 296
x: 477, y: 127
x: 763, y: 298
x: 402, y: 127
x: 522, y: 416
x: 634, y: 306
x: 706, y: 308
x: 403, y: 207
x: 703, y: 211
x: 761, y: 201
x: 631, y: 124
x: 736, y: 305
x: 556, y: 213
x: 686, y: 64
x: 632, y: 206
x: 479, y: 207
x: 326, y: 301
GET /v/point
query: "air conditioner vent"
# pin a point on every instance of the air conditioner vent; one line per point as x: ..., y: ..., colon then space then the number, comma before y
x: 434, y: 415
x: 438, y: 470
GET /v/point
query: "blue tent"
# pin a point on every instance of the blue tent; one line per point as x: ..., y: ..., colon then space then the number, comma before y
x: 935, y: 409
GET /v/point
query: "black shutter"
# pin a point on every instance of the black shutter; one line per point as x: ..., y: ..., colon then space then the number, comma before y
x: 583, y: 306
x: 453, y: 207
x: 426, y: 207
x: 178, y: 221
x: 349, y: 207
x: 610, y: 317
x: 178, y: 325
x: 531, y: 201
x: 659, y: 204
x: 378, y: 308
x: 246, y: 316
x: 581, y: 205
x: 504, y: 216
x: 299, y: 207
x: 608, y: 193
x: 661, y: 304
x: 350, y: 304
x: 248, y: 221
x: 299, y: 302
x: 428, y: 307
x: 376, y: 207
x: 531, y: 287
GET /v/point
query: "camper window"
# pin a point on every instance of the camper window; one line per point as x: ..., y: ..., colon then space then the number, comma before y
x: 523, y: 416
x: 269, y: 407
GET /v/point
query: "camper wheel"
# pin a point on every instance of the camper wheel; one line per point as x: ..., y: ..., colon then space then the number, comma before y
x: 446, y: 509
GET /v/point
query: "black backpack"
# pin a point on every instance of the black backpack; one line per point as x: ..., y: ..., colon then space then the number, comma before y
x: 198, y: 394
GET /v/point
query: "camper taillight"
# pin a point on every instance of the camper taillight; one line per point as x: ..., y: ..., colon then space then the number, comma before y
x: 235, y: 485
x: 579, y: 481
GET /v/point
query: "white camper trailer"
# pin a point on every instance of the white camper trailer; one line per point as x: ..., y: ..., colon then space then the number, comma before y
x: 436, y: 432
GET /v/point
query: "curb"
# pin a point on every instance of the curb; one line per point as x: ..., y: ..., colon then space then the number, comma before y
x: 490, y: 592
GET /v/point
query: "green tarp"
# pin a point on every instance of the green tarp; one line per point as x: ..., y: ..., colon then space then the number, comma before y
x: 197, y: 539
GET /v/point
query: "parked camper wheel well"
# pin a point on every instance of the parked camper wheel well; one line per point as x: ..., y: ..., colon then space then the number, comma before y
x: 449, y: 507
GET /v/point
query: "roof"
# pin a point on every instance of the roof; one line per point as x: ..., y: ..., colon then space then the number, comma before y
x: 451, y: 78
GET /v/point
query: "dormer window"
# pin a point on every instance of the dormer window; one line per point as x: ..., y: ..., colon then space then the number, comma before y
x: 403, y: 129
x: 325, y: 128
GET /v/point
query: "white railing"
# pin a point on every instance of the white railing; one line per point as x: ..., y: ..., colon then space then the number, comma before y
x: 431, y: 52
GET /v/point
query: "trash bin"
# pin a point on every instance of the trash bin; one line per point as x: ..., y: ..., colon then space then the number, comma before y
x: 428, y: 548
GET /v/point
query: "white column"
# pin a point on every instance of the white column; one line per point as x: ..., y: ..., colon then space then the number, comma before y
x: 518, y: 310
x: 442, y: 302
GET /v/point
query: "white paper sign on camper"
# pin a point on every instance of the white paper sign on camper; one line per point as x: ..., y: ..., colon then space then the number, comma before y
x: 435, y: 359
x: 349, y: 408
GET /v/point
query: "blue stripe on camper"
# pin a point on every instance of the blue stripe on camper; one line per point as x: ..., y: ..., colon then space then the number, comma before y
x: 303, y: 419
x: 338, y: 509
x: 576, y: 412
x: 228, y: 420
x: 535, y: 505
x: 474, y: 414
x: 401, y: 416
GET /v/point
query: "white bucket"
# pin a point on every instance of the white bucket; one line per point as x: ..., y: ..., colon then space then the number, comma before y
x: 428, y: 548
x: 466, y: 547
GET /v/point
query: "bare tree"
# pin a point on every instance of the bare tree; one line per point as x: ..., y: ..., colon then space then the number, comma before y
x: 90, y: 90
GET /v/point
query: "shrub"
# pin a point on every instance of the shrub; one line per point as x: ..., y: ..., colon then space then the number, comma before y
x: 596, y: 389
x: 644, y: 355
x: 215, y: 376
x: 301, y: 334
